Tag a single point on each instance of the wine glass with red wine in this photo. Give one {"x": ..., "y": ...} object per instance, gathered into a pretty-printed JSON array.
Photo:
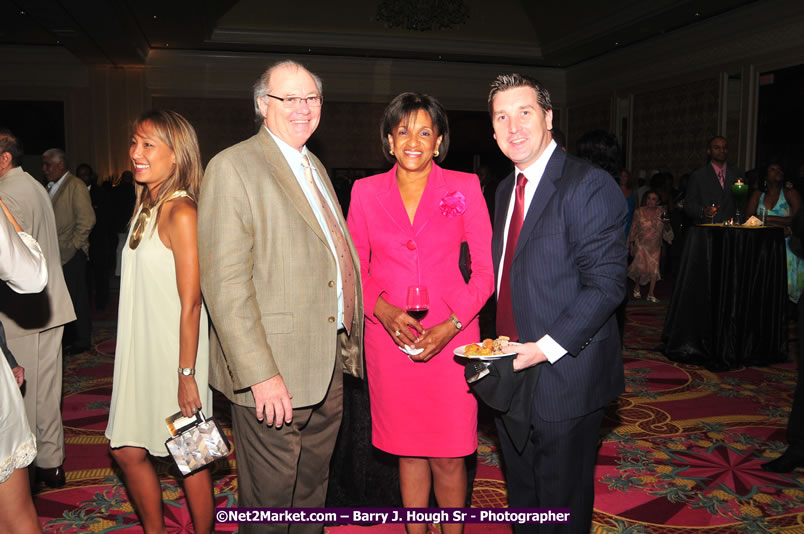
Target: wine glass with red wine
[
  {"x": 418, "y": 302},
  {"x": 711, "y": 211}
]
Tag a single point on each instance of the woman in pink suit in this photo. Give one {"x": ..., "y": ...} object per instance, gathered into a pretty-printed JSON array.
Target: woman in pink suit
[{"x": 407, "y": 225}]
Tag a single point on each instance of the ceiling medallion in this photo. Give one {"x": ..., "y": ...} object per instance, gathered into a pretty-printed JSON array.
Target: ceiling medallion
[{"x": 422, "y": 15}]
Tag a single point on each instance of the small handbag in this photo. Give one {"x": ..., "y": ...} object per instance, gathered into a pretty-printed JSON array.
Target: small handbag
[{"x": 195, "y": 442}]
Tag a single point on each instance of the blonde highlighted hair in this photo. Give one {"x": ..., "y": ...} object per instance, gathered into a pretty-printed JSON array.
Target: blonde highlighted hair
[{"x": 178, "y": 134}]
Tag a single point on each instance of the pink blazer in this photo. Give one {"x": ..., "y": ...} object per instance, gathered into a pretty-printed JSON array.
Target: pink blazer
[{"x": 395, "y": 254}]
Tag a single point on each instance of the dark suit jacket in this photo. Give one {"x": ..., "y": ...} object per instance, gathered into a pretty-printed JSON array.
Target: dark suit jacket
[
  {"x": 567, "y": 279},
  {"x": 100, "y": 238},
  {"x": 704, "y": 188}
]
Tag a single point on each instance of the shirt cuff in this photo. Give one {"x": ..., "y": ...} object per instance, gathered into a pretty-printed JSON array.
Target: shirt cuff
[{"x": 552, "y": 350}]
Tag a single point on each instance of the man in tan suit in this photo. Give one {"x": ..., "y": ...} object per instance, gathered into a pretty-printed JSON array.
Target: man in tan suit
[
  {"x": 281, "y": 280},
  {"x": 34, "y": 323},
  {"x": 75, "y": 219}
]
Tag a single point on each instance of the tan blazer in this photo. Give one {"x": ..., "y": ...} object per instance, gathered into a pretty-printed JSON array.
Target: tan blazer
[
  {"x": 23, "y": 315},
  {"x": 75, "y": 217},
  {"x": 268, "y": 277}
]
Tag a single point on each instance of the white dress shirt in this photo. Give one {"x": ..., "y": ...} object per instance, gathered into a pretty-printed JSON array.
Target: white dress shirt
[
  {"x": 51, "y": 190},
  {"x": 294, "y": 159},
  {"x": 534, "y": 174}
]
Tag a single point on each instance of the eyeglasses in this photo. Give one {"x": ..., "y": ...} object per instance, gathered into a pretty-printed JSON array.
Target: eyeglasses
[{"x": 295, "y": 101}]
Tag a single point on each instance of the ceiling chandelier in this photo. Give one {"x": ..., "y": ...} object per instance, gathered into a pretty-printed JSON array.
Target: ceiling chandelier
[{"x": 422, "y": 15}]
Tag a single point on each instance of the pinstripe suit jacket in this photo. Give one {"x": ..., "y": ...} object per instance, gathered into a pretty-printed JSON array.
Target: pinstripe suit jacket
[
  {"x": 567, "y": 279},
  {"x": 268, "y": 277}
]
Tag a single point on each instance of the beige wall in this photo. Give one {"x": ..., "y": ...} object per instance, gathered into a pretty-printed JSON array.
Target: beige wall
[
  {"x": 758, "y": 37},
  {"x": 347, "y": 137},
  {"x": 99, "y": 102},
  {"x": 587, "y": 117},
  {"x": 671, "y": 127}
]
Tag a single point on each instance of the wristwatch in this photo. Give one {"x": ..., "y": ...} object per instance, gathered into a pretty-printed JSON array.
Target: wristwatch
[
  {"x": 187, "y": 371},
  {"x": 456, "y": 322}
]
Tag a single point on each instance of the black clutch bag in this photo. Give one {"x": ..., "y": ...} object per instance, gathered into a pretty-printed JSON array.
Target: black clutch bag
[
  {"x": 465, "y": 262},
  {"x": 197, "y": 443}
]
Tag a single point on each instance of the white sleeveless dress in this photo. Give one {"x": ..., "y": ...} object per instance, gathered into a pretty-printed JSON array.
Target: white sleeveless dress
[
  {"x": 17, "y": 442},
  {"x": 146, "y": 380}
]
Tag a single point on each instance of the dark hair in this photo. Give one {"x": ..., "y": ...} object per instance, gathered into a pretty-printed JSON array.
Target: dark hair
[
  {"x": 632, "y": 179},
  {"x": 763, "y": 178},
  {"x": 648, "y": 193},
  {"x": 84, "y": 166},
  {"x": 658, "y": 180},
  {"x": 772, "y": 161},
  {"x": 504, "y": 82},
  {"x": 11, "y": 143},
  {"x": 406, "y": 105},
  {"x": 709, "y": 144},
  {"x": 601, "y": 148}
]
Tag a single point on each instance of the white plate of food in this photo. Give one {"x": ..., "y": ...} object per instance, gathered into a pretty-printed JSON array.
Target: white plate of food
[{"x": 487, "y": 350}]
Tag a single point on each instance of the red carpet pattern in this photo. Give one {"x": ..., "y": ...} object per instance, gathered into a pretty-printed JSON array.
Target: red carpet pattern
[
  {"x": 94, "y": 499},
  {"x": 681, "y": 451}
]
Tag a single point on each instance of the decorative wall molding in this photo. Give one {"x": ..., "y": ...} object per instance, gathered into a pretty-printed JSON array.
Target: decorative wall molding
[
  {"x": 416, "y": 43},
  {"x": 100, "y": 102},
  {"x": 671, "y": 127},
  {"x": 766, "y": 34},
  {"x": 41, "y": 66},
  {"x": 461, "y": 86}
]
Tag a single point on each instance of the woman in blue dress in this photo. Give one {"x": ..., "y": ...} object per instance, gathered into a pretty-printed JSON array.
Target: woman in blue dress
[{"x": 781, "y": 204}]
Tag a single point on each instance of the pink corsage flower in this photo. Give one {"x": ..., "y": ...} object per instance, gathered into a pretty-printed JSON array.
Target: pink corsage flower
[{"x": 453, "y": 204}]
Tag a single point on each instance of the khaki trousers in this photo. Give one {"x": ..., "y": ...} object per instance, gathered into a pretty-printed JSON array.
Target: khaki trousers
[
  {"x": 40, "y": 355},
  {"x": 287, "y": 467}
]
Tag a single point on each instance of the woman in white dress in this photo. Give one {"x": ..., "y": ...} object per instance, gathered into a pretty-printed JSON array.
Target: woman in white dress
[
  {"x": 22, "y": 266},
  {"x": 162, "y": 323}
]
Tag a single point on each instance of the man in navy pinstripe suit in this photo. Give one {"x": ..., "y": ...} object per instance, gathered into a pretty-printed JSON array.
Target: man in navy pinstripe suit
[{"x": 560, "y": 260}]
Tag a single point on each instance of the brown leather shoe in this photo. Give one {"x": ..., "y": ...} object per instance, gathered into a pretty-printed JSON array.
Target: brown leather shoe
[{"x": 53, "y": 477}]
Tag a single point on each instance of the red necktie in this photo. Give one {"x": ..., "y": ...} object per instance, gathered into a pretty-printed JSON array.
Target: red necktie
[
  {"x": 505, "y": 310},
  {"x": 721, "y": 176}
]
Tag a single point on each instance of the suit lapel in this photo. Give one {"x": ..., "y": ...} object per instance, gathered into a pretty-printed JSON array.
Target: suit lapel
[
  {"x": 544, "y": 192},
  {"x": 284, "y": 176},
  {"x": 501, "y": 200},
  {"x": 60, "y": 190},
  {"x": 430, "y": 203},
  {"x": 731, "y": 175},
  {"x": 719, "y": 192},
  {"x": 390, "y": 200}
]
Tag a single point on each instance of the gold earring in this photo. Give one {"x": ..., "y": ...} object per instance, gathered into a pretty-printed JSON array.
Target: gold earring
[
  {"x": 435, "y": 154},
  {"x": 391, "y": 151}
]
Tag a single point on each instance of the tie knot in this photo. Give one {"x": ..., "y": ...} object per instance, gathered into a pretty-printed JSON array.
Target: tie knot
[
  {"x": 521, "y": 180},
  {"x": 308, "y": 169}
]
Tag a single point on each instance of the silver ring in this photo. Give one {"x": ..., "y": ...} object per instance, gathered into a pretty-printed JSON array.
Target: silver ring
[
  {"x": 195, "y": 410},
  {"x": 397, "y": 333}
]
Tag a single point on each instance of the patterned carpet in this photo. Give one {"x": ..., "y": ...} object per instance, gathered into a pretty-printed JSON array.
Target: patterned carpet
[{"x": 680, "y": 453}]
